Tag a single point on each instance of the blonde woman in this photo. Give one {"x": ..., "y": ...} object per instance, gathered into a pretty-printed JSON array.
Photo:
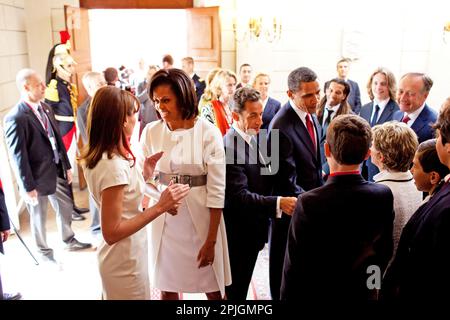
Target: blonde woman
[
  {"x": 218, "y": 112},
  {"x": 208, "y": 95},
  {"x": 393, "y": 147}
]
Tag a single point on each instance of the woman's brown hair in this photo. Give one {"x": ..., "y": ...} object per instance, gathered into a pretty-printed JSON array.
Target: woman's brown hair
[{"x": 107, "y": 114}]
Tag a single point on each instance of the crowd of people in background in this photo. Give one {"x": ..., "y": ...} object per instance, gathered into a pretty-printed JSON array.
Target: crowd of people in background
[{"x": 343, "y": 192}]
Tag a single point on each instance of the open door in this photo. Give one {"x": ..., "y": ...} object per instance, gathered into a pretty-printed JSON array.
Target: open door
[
  {"x": 204, "y": 38},
  {"x": 77, "y": 23}
]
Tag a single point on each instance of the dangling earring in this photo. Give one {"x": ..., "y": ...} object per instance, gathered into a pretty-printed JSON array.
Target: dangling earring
[{"x": 125, "y": 125}]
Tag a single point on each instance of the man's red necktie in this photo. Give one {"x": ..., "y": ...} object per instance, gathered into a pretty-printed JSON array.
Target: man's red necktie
[
  {"x": 405, "y": 119},
  {"x": 310, "y": 127}
]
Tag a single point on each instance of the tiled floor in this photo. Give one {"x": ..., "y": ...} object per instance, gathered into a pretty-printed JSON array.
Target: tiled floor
[{"x": 76, "y": 275}]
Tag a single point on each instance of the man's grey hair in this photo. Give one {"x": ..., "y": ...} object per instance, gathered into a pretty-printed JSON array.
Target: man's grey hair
[
  {"x": 241, "y": 96},
  {"x": 23, "y": 76},
  {"x": 92, "y": 77},
  {"x": 427, "y": 81},
  {"x": 299, "y": 75}
]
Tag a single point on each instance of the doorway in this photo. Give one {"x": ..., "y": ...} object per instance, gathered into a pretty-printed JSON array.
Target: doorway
[{"x": 125, "y": 37}]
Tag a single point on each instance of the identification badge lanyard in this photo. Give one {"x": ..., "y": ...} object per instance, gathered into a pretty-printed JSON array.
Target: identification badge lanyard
[{"x": 45, "y": 125}]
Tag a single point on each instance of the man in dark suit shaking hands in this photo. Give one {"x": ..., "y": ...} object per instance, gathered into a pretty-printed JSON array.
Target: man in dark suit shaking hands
[
  {"x": 412, "y": 93},
  {"x": 341, "y": 233},
  {"x": 40, "y": 162},
  {"x": 300, "y": 167},
  {"x": 249, "y": 202}
]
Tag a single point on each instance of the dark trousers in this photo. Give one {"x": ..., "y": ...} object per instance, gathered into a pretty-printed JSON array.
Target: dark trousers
[
  {"x": 1, "y": 287},
  {"x": 277, "y": 248},
  {"x": 243, "y": 255}
]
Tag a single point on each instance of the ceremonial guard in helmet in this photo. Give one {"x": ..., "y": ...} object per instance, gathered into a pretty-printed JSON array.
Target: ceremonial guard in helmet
[{"x": 61, "y": 95}]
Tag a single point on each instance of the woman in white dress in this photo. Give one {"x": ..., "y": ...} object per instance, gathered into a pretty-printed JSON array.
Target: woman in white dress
[
  {"x": 117, "y": 186},
  {"x": 393, "y": 148},
  {"x": 188, "y": 252}
]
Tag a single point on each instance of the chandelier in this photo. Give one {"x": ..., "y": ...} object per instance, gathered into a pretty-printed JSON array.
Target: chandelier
[
  {"x": 256, "y": 29},
  {"x": 446, "y": 33}
]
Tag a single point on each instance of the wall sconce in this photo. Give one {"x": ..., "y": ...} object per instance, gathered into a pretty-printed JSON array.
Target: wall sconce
[
  {"x": 257, "y": 28},
  {"x": 446, "y": 33}
]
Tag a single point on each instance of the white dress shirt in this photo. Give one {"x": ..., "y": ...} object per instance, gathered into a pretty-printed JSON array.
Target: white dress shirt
[
  {"x": 413, "y": 115},
  {"x": 382, "y": 105}
]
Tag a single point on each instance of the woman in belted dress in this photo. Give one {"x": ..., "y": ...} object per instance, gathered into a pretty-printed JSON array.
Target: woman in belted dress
[{"x": 189, "y": 251}]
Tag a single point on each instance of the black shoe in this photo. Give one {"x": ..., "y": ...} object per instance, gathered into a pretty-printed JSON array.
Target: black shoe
[
  {"x": 80, "y": 210},
  {"x": 12, "y": 296},
  {"x": 75, "y": 245},
  {"x": 77, "y": 217}
]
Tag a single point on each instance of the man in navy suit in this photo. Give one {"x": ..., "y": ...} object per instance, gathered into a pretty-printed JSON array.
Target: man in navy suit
[
  {"x": 40, "y": 162},
  {"x": 300, "y": 167},
  {"x": 412, "y": 93},
  {"x": 270, "y": 105},
  {"x": 354, "y": 97},
  {"x": 341, "y": 233},
  {"x": 380, "y": 110},
  {"x": 187, "y": 64},
  {"x": 249, "y": 202},
  {"x": 420, "y": 270}
]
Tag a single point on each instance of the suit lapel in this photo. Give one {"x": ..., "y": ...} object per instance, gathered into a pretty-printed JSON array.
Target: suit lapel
[
  {"x": 435, "y": 200},
  {"x": 47, "y": 111},
  {"x": 302, "y": 132},
  {"x": 420, "y": 121},
  {"x": 367, "y": 112},
  {"x": 387, "y": 112},
  {"x": 318, "y": 131},
  {"x": 33, "y": 118}
]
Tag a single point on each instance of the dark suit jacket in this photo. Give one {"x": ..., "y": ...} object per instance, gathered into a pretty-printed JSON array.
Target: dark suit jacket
[
  {"x": 354, "y": 97},
  {"x": 422, "y": 125},
  {"x": 272, "y": 107},
  {"x": 300, "y": 166},
  {"x": 4, "y": 218},
  {"x": 299, "y": 170},
  {"x": 200, "y": 86},
  {"x": 337, "y": 231},
  {"x": 387, "y": 115},
  {"x": 30, "y": 149},
  {"x": 248, "y": 200},
  {"x": 421, "y": 268}
]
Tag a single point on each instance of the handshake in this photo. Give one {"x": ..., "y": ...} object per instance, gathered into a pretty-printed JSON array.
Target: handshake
[{"x": 287, "y": 205}]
